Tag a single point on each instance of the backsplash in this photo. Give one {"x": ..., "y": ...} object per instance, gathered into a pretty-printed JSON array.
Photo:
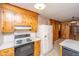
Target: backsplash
[{"x": 8, "y": 38}]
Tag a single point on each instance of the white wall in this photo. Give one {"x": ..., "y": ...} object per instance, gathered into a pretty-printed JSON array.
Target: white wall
[{"x": 43, "y": 20}]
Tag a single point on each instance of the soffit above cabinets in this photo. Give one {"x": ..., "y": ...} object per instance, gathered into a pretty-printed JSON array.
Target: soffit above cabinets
[{"x": 58, "y": 11}]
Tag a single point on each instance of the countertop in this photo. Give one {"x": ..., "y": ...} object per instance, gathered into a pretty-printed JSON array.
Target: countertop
[
  {"x": 8, "y": 41},
  {"x": 9, "y": 45},
  {"x": 72, "y": 44}
]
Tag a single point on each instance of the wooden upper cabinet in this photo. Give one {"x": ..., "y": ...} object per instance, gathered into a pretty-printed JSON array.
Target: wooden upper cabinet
[
  {"x": 20, "y": 17},
  {"x": 7, "y": 21},
  {"x": 18, "y": 20},
  {"x": 65, "y": 30},
  {"x": 26, "y": 20}
]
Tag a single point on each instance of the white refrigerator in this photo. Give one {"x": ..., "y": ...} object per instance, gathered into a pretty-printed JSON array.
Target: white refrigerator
[{"x": 45, "y": 33}]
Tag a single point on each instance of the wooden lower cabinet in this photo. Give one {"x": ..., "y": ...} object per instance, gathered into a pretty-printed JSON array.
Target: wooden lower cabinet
[
  {"x": 7, "y": 52},
  {"x": 37, "y": 48},
  {"x": 10, "y": 51}
]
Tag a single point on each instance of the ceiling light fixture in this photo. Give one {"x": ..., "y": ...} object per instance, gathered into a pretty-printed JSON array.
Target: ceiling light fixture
[{"x": 40, "y": 6}]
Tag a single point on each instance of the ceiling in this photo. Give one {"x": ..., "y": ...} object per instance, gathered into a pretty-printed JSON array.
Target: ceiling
[{"x": 58, "y": 11}]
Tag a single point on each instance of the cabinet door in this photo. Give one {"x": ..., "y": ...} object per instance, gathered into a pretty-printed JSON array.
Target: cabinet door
[
  {"x": 7, "y": 52},
  {"x": 56, "y": 33},
  {"x": 65, "y": 30},
  {"x": 37, "y": 48},
  {"x": 30, "y": 20},
  {"x": 57, "y": 29},
  {"x": 27, "y": 20},
  {"x": 8, "y": 21},
  {"x": 22, "y": 20},
  {"x": 18, "y": 20}
]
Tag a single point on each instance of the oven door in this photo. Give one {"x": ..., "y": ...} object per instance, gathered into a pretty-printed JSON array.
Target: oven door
[{"x": 25, "y": 50}]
